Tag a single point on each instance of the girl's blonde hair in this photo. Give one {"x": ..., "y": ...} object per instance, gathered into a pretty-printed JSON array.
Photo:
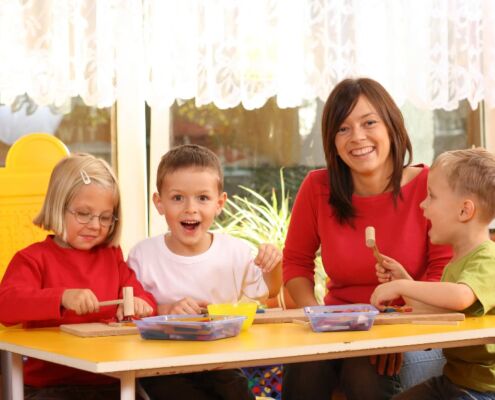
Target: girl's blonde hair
[{"x": 66, "y": 179}]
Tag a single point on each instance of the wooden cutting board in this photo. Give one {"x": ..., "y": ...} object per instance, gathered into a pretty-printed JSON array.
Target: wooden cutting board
[
  {"x": 99, "y": 329},
  {"x": 280, "y": 316}
]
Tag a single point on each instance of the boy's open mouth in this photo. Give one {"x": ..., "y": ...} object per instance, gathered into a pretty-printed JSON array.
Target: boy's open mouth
[{"x": 190, "y": 225}]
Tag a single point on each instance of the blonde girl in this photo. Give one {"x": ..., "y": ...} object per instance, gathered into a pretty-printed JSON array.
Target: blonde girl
[{"x": 62, "y": 279}]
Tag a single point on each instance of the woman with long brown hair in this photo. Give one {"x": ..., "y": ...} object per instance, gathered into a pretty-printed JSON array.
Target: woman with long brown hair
[{"x": 369, "y": 181}]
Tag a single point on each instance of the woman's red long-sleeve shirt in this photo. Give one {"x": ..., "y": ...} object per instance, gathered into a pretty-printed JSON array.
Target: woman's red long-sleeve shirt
[{"x": 401, "y": 233}]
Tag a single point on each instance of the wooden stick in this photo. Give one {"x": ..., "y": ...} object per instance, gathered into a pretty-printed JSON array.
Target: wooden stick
[
  {"x": 110, "y": 302},
  {"x": 300, "y": 322},
  {"x": 371, "y": 243},
  {"x": 437, "y": 322}
]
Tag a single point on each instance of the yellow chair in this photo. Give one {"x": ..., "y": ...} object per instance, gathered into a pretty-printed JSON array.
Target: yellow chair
[{"x": 23, "y": 184}]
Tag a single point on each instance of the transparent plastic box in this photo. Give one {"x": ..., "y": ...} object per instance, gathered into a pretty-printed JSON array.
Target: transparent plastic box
[
  {"x": 189, "y": 327},
  {"x": 349, "y": 317}
]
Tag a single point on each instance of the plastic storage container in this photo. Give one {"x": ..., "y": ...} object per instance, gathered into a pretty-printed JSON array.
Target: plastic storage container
[
  {"x": 349, "y": 317},
  {"x": 189, "y": 327}
]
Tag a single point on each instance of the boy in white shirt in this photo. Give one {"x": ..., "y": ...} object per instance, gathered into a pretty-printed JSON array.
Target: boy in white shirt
[{"x": 190, "y": 267}]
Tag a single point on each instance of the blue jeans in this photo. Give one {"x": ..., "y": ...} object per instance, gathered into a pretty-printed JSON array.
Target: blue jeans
[
  {"x": 418, "y": 366},
  {"x": 356, "y": 377},
  {"x": 441, "y": 388}
]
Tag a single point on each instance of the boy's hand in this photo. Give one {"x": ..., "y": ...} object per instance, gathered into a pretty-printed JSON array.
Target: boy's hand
[
  {"x": 269, "y": 256},
  {"x": 390, "y": 270},
  {"x": 385, "y": 293},
  {"x": 186, "y": 306},
  {"x": 141, "y": 309},
  {"x": 82, "y": 301}
]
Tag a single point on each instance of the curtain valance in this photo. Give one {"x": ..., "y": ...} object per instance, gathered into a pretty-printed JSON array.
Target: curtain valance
[{"x": 433, "y": 53}]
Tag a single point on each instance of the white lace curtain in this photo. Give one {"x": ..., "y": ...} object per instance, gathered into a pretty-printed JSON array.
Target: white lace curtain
[{"x": 433, "y": 53}]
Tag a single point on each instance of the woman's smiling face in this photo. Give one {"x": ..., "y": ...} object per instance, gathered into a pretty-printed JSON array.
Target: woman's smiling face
[{"x": 362, "y": 141}]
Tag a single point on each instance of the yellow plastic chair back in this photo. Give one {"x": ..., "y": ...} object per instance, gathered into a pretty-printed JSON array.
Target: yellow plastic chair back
[{"x": 23, "y": 185}]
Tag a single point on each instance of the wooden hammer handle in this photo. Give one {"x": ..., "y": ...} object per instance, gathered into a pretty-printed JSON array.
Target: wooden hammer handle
[
  {"x": 127, "y": 301},
  {"x": 377, "y": 254},
  {"x": 110, "y": 302}
]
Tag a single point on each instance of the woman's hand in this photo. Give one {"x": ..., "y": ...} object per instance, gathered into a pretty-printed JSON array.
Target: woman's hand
[
  {"x": 269, "y": 256},
  {"x": 186, "y": 305},
  {"x": 389, "y": 364},
  {"x": 82, "y": 301},
  {"x": 390, "y": 270}
]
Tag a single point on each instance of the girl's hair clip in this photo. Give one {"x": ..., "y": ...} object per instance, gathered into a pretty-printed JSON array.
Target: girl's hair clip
[{"x": 85, "y": 177}]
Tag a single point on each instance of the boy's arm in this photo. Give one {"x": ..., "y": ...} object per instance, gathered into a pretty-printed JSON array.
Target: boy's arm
[
  {"x": 186, "y": 305},
  {"x": 390, "y": 270},
  {"x": 164, "y": 309},
  {"x": 444, "y": 295},
  {"x": 269, "y": 260},
  {"x": 273, "y": 280},
  {"x": 423, "y": 308}
]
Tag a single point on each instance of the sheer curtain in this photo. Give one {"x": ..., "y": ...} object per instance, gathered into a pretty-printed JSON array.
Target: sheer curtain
[
  {"x": 431, "y": 52},
  {"x": 53, "y": 50}
]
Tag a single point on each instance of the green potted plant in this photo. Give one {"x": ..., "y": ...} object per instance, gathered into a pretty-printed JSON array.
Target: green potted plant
[{"x": 259, "y": 220}]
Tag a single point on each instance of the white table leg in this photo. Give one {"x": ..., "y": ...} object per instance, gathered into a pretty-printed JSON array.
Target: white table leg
[
  {"x": 15, "y": 371},
  {"x": 128, "y": 385},
  {"x": 6, "y": 362}
]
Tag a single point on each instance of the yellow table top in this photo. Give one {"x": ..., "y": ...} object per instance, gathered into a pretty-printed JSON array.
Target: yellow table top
[{"x": 261, "y": 344}]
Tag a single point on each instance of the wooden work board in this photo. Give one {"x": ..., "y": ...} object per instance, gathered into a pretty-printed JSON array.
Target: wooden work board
[
  {"x": 269, "y": 317},
  {"x": 280, "y": 316},
  {"x": 100, "y": 329}
]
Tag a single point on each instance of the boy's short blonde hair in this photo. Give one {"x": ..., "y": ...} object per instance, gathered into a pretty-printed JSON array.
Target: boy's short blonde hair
[
  {"x": 186, "y": 156},
  {"x": 471, "y": 171},
  {"x": 65, "y": 181}
]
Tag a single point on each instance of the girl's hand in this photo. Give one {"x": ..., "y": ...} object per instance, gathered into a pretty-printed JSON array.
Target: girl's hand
[
  {"x": 186, "y": 306},
  {"x": 269, "y": 256},
  {"x": 390, "y": 270},
  {"x": 385, "y": 293},
  {"x": 82, "y": 301},
  {"x": 141, "y": 309}
]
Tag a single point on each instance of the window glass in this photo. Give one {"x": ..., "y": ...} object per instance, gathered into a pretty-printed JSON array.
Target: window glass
[
  {"x": 81, "y": 128},
  {"x": 435, "y": 131},
  {"x": 254, "y": 144}
]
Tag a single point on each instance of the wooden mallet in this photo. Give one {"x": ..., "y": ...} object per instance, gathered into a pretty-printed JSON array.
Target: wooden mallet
[
  {"x": 127, "y": 300},
  {"x": 371, "y": 243}
]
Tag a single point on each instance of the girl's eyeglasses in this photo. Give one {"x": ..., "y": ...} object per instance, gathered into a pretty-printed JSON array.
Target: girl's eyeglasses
[{"x": 84, "y": 217}]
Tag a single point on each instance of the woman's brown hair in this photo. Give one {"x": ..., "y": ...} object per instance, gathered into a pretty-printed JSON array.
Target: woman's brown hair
[{"x": 338, "y": 106}]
